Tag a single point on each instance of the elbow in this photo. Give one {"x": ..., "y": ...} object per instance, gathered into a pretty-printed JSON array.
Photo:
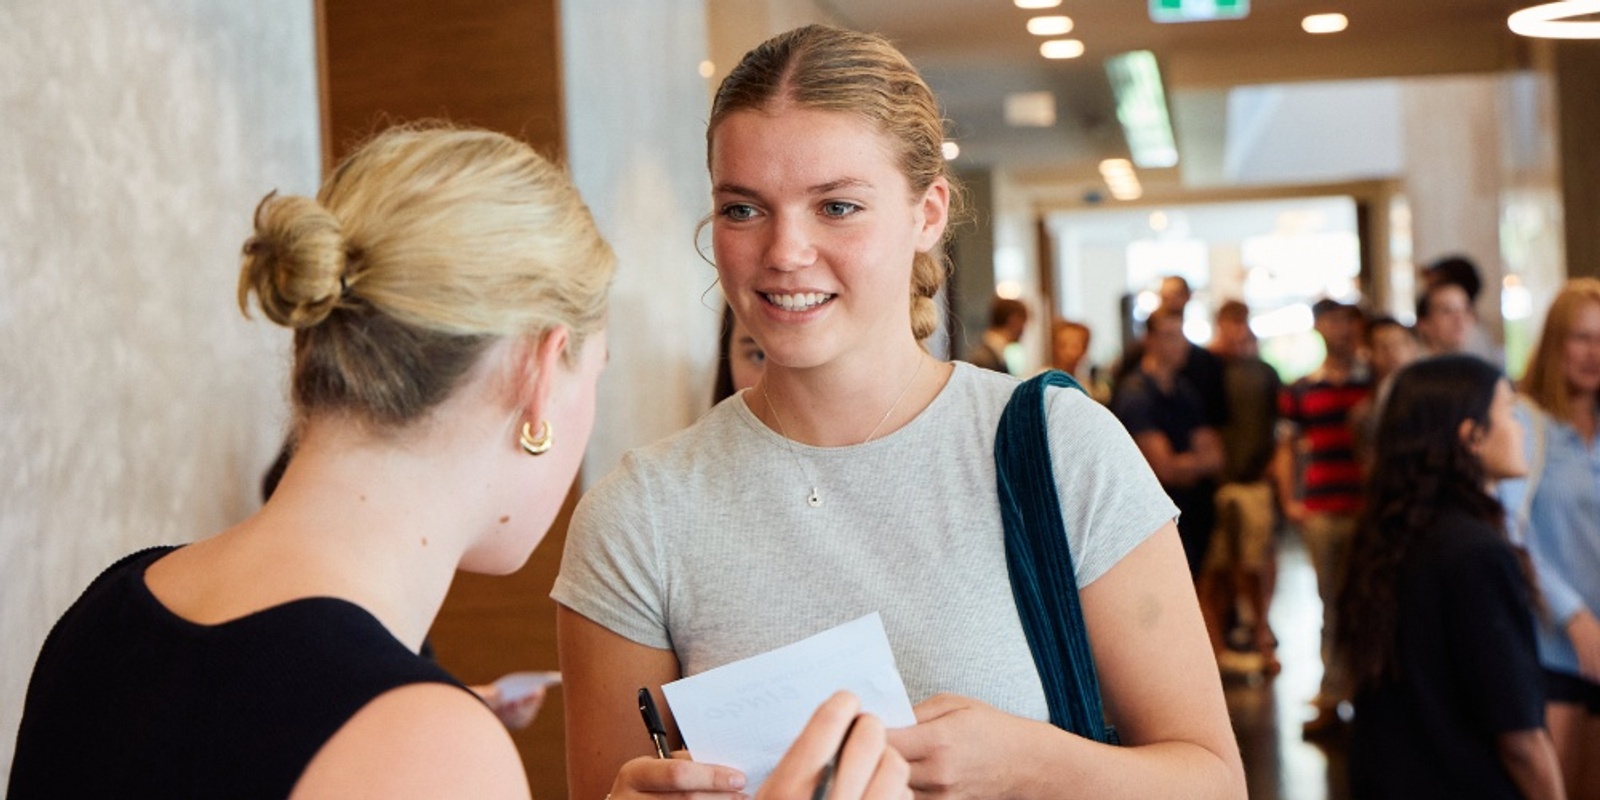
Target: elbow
[{"x": 1525, "y": 751}]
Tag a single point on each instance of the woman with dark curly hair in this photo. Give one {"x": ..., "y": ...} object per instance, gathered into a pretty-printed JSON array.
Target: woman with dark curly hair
[{"x": 1434, "y": 614}]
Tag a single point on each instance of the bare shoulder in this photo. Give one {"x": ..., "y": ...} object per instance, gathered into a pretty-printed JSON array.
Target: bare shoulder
[{"x": 420, "y": 740}]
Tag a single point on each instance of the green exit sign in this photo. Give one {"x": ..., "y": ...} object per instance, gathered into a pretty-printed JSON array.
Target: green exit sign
[{"x": 1198, "y": 10}]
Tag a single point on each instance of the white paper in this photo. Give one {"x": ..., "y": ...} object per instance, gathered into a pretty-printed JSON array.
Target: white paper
[{"x": 746, "y": 714}]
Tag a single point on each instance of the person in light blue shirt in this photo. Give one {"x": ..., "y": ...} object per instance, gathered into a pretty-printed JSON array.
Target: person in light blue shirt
[{"x": 1557, "y": 509}]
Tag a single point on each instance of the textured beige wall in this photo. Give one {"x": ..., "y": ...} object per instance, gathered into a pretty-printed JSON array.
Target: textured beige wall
[
  {"x": 636, "y": 108},
  {"x": 136, "y": 405}
]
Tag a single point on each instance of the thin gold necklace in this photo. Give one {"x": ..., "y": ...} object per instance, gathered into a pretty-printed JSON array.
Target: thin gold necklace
[{"x": 815, "y": 498}]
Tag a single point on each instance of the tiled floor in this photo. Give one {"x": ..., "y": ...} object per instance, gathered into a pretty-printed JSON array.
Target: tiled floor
[{"x": 1267, "y": 714}]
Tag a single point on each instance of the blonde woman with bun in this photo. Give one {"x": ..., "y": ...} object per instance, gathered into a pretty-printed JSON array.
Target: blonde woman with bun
[
  {"x": 447, "y": 293},
  {"x": 858, "y": 475}
]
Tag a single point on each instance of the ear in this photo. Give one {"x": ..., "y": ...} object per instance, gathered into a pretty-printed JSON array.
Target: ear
[
  {"x": 538, "y": 373},
  {"x": 1471, "y": 435},
  {"x": 933, "y": 214}
]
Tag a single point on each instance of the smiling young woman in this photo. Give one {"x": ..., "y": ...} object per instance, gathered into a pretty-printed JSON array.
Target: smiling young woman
[{"x": 858, "y": 476}]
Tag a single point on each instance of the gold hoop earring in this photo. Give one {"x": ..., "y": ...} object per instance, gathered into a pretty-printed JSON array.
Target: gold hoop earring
[{"x": 536, "y": 445}]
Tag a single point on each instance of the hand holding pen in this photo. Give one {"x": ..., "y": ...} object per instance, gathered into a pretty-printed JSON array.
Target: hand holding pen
[{"x": 839, "y": 755}]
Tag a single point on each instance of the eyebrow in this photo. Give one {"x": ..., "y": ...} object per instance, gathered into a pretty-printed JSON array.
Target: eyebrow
[{"x": 821, "y": 188}]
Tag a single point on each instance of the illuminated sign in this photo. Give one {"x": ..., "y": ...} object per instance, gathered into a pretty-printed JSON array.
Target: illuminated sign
[{"x": 1198, "y": 10}]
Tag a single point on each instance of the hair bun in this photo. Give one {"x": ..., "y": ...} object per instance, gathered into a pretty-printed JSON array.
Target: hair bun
[{"x": 296, "y": 261}]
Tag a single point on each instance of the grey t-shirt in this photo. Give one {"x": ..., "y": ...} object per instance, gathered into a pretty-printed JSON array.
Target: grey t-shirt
[{"x": 704, "y": 543}]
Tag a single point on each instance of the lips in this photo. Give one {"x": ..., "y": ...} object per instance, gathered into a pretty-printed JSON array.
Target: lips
[{"x": 798, "y": 301}]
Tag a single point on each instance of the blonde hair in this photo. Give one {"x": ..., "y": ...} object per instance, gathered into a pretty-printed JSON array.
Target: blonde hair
[
  {"x": 830, "y": 69},
  {"x": 1546, "y": 379},
  {"x": 422, "y": 249}
]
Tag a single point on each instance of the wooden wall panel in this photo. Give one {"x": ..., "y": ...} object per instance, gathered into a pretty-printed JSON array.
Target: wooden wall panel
[
  {"x": 1577, "y": 86},
  {"x": 493, "y": 64}
]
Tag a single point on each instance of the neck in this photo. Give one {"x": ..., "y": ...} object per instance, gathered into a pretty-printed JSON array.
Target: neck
[
  {"x": 1585, "y": 417},
  {"x": 383, "y": 529},
  {"x": 381, "y": 526},
  {"x": 835, "y": 407}
]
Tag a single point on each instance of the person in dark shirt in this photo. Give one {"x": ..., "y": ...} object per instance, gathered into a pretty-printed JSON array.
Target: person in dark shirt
[
  {"x": 1434, "y": 617},
  {"x": 1167, "y": 420},
  {"x": 1202, "y": 369}
]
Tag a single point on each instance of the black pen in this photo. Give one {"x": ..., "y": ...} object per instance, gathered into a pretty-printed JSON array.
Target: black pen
[{"x": 652, "y": 723}]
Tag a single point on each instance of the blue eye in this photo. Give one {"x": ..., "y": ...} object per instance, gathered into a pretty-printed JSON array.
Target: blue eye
[
  {"x": 738, "y": 212},
  {"x": 839, "y": 208}
]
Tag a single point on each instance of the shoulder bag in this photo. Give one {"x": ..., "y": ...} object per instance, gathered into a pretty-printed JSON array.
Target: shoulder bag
[{"x": 1043, "y": 580}]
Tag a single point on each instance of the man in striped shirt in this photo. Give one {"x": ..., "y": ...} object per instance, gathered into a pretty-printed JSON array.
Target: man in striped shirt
[{"x": 1324, "y": 504}]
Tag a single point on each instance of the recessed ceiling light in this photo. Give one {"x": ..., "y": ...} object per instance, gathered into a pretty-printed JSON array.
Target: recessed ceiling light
[
  {"x": 1031, "y": 109},
  {"x": 1061, "y": 48},
  {"x": 707, "y": 69},
  {"x": 951, "y": 150},
  {"x": 1555, "y": 20},
  {"x": 1050, "y": 26},
  {"x": 1036, "y": 4},
  {"x": 1324, "y": 23}
]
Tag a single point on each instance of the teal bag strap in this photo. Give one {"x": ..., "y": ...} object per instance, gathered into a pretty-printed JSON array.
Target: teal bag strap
[{"x": 1043, "y": 580}]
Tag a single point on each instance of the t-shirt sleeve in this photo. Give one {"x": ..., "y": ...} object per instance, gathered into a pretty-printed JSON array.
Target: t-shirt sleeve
[
  {"x": 1110, "y": 500},
  {"x": 611, "y": 566},
  {"x": 1491, "y": 639}
]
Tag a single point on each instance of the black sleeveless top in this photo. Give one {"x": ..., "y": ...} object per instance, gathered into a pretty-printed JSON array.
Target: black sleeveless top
[{"x": 129, "y": 700}]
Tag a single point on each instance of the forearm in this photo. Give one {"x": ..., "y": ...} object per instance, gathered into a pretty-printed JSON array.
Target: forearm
[
  {"x": 1530, "y": 758},
  {"x": 602, "y": 673},
  {"x": 1056, "y": 764}
]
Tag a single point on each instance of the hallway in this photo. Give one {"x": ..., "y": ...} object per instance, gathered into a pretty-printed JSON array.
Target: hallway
[{"x": 1267, "y": 714}]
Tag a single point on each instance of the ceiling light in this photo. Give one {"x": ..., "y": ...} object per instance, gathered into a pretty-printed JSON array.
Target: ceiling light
[
  {"x": 1031, "y": 109},
  {"x": 1324, "y": 23},
  {"x": 1120, "y": 179},
  {"x": 1555, "y": 20},
  {"x": 1050, "y": 26},
  {"x": 1142, "y": 108},
  {"x": 1061, "y": 48},
  {"x": 707, "y": 69},
  {"x": 1037, "y": 4},
  {"x": 951, "y": 150}
]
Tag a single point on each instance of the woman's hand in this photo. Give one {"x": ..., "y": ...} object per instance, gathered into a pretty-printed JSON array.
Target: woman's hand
[
  {"x": 515, "y": 713},
  {"x": 867, "y": 768},
  {"x": 959, "y": 747},
  {"x": 647, "y": 776}
]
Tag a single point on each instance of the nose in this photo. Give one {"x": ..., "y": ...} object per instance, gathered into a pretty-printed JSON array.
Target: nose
[{"x": 790, "y": 247}]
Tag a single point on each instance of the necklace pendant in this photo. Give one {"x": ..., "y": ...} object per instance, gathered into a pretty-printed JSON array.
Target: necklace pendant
[{"x": 815, "y": 499}]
